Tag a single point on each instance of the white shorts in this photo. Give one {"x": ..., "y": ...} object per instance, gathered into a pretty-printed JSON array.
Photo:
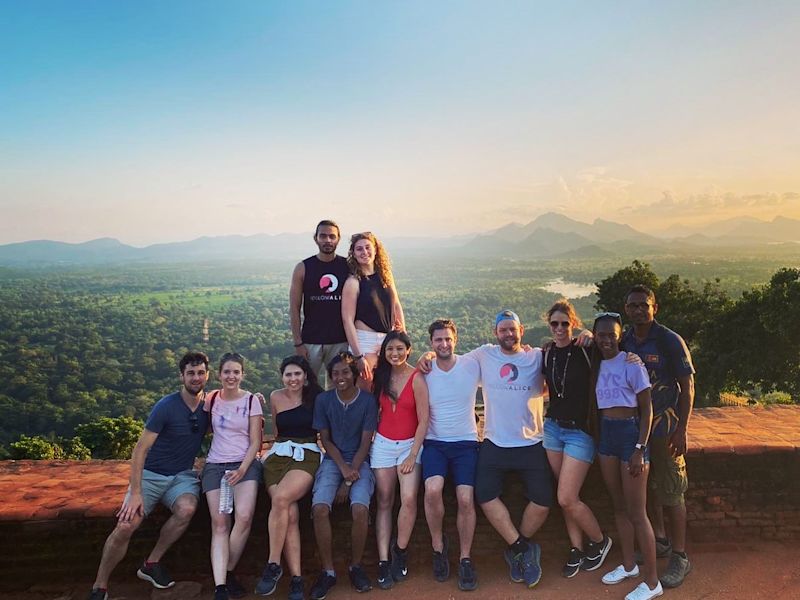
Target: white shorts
[
  {"x": 385, "y": 453},
  {"x": 369, "y": 342}
]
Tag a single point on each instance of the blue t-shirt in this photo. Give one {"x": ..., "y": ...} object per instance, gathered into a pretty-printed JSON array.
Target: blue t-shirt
[
  {"x": 178, "y": 441},
  {"x": 666, "y": 357},
  {"x": 345, "y": 424}
]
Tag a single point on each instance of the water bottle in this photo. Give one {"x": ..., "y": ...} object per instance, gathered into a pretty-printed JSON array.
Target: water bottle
[{"x": 225, "y": 495}]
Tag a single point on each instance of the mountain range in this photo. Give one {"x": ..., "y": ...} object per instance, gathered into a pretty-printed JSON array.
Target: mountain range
[{"x": 550, "y": 235}]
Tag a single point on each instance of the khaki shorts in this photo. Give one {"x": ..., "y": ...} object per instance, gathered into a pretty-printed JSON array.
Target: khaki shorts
[
  {"x": 668, "y": 478},
  {"x": 276, "y": 467},
  {"x": 319, "y": 355}
]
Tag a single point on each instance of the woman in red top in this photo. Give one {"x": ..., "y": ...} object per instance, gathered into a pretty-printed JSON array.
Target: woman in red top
[{"x": 396, "y": 451}]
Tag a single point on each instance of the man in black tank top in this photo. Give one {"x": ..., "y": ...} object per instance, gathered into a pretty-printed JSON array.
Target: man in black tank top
[{"x": 317, "y": 288}]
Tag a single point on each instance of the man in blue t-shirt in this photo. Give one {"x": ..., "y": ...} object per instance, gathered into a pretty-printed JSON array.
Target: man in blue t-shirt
[
  {"x": 161, "y": 471},
  {"x": 346, "y": 418},
  {"x": 669, "y": 365}
]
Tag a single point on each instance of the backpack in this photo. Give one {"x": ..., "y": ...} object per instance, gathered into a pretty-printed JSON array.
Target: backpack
[{"x": 212, "y": 398}]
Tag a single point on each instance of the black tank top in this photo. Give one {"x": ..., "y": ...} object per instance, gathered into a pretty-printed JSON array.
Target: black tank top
[
  {"x": 322, "y": 300},
  {"x": 374, "y": 304},
  {"x": 295, "y": 423},
  {"x": 569, "y": 391}
]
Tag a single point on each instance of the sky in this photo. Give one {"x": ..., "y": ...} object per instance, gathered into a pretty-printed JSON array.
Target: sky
[{"x": 165, "y": 121}]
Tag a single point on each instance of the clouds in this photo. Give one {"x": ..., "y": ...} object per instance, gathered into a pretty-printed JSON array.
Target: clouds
[{"x": 711, "y": 203}]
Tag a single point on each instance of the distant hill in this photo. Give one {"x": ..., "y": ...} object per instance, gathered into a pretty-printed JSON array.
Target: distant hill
[{"x": 549, "y": 235}]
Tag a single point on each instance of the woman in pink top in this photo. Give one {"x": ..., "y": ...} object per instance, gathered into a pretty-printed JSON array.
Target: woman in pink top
[
  {"x": 236, "y": 425},
  {"x": 395, "y": 452}
]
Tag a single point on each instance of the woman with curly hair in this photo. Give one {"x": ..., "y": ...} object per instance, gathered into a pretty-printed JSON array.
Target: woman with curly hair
[{"x": 370, "y": 305}]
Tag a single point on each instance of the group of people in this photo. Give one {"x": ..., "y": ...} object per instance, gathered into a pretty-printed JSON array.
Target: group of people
[{"x": 383, "y": 424}]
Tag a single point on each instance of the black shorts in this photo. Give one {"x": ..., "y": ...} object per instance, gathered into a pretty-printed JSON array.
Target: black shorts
[{"x": 529, "y": 461}]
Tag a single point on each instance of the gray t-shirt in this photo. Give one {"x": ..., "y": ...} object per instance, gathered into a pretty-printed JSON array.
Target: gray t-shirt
[{"x": 346, "y": 423}]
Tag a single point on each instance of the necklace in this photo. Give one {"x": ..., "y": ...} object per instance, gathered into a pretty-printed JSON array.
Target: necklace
[{"x": 563, "y": 390}]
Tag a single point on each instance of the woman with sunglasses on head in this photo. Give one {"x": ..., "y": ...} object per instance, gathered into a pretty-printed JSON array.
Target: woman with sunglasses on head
[
  {"x": 569, "y": 446},
  {"x": 370, "y": 305},
  {"x": 236, "y": 422},
  {"x": 289, "y": 470},
  {"x": 621, "y": 391},
  {"x": 396, "y": 451}
]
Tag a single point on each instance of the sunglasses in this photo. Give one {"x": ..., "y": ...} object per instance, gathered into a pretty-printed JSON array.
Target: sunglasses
[
  {"x": 612, "y": 315},
  {"x": 564, "y": 324},
  {"x": 193, "y": 421}
]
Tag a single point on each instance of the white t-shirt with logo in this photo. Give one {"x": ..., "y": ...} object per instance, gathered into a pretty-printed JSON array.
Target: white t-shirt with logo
[
  {"x": 451, "y": 395},
  {"x": 512, "y": 395}
]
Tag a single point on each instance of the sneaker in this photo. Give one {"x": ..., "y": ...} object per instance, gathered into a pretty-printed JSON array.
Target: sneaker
[
  {"x": 98, "y": 594},
  {"x": 399, "y": 562},
  {"x": 296, "y": 588},
  {"x": 467, "y": 577},
  {"x": 514, "y": 565},
  {"x": 677, "y": 569},
  {"x": 619, "y": 575},
  {"x": 235, "y": 587},
  {"x": 643, "y": 592},
  {"x": 157, "y": 575},
  {"x": 573, "y": 564},
  {"x": 359, "y": 579},
  {"x": 596, "y": 553},
  {"x": 322, "y": 586},
  {"x": 663, "y": 548},
  {"x": 531, "y": 566},
  {"x": 269, "y": 579},
  {"x": 385, "y": 580},
  {"x": 441, "y": 565},
  {"x": 221, "y": 593}
]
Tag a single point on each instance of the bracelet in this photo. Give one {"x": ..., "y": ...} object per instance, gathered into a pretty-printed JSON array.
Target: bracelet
[
  {"x": 298, "y": 345},
  {"x": 358, "y": 356}
]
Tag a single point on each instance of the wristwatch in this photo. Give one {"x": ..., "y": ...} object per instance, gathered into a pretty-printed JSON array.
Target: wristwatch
[{"x": 639, "y": 446}]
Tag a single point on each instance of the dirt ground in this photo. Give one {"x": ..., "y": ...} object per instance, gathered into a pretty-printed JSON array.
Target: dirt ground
[{"x": 769, "y": 571}]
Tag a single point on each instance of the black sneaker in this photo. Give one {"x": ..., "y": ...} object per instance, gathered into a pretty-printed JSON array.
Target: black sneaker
[
  {"x": 385, "y": 581},
  {"x": 467, "y": 577},
  {"x": 596, "y": 553},
  {"x": 296, "y": 588},
  {"x": 399, "y": 562},
  {"x": 98, "y": 594},
  {"x": 157, "y": 575},
  {"x": 221, "y": 593},
  {"x": 322, "y": 586},
  {"x": 359, "y": 579},
  {"x": 573, "y": 564},
  {"x": 235, "y": 587},
  {"x": 441, "y": 564},
  {"x": 269, "y": 579}
]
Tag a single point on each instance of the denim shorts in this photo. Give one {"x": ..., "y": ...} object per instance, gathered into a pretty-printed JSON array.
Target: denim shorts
[
  {"x": 387, "y": 453},
  {"x": 329, "y": 478},
  {"x": 166, "y": 488},
  {"x": 618, "y": 437},
  {"x": 458, "y": 458},
  {"x": 212, "y": 475},
  {"x": 573, "y": 442}
]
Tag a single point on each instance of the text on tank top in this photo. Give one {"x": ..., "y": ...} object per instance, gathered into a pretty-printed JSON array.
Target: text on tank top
[
  {"x": 398, "y": 420},
  {"x": 374, "y": 304},
  {"x": 322, "y": 300}
]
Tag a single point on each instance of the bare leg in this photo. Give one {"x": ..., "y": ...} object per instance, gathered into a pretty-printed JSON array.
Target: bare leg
[
  {"x": 635, "y": 492},
  {"x": 322, "y": 531},
  {"x": 465, "y": 518},
  {"x": 677, "y": 526},
  {"x": 291, "y": 547},
  {"x": 497, "y": 514},
  {"x": 182, "y": 512},
  {"x": 533, "y": 518},
  {"x": 114, "y": 550},
  {"x": 244, "y": 503},
  {"x": 385, "y": 484},
  {"x": 359, "y": 533},
  {"x": 576, "y": 513},
  {"x": 294, "y": 485},
  {"x": 220, "y": 543},
  {"x": 434, "y": 510},
  {"x": 574, "y": 532},
  {"x": 407, "y": 515},
  {"x": 656, "y": 516},
  {"x": 610, "y": 467}
]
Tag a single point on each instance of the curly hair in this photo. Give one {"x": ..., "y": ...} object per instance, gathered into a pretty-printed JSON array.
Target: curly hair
[
  {"x": 565, "y": 306},
  {"x": 383, "y": 266}
]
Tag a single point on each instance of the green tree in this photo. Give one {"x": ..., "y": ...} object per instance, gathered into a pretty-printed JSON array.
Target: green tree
[
  {"x": 611, "y": 290},
  {"x": 109, "y": 437},
  {"x": 34, "y": 448},
  {"x": 74, "y": 449}
]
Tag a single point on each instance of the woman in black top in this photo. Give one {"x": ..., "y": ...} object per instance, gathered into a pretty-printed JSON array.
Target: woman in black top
[
  {"x": 570, "y": 449},
  {"x": 370, "y": 306},
  {"x": 289, "y": 469}
]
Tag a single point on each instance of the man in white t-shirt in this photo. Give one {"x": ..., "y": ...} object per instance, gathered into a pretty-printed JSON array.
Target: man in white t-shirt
[
  {"x": 513, "y": 384},
  {"x": 451, "y": 446}
]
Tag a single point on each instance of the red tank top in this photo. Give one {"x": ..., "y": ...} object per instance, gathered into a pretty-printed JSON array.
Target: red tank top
[{"x": 399, "y": 420}]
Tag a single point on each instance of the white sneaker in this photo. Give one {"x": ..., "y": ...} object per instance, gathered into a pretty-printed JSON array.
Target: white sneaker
[
  {"x": 643, "y": 592},
  {"x": 619, "y": 575}
]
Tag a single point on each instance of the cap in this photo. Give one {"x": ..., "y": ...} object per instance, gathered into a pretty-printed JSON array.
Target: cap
[{"x": 506, "y": 315}]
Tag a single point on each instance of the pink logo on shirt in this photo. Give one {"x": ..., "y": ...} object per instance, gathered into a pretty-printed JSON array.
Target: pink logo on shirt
[
  {"x": 509, "y": 372},
  {"x": 329, "y": 283}
]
